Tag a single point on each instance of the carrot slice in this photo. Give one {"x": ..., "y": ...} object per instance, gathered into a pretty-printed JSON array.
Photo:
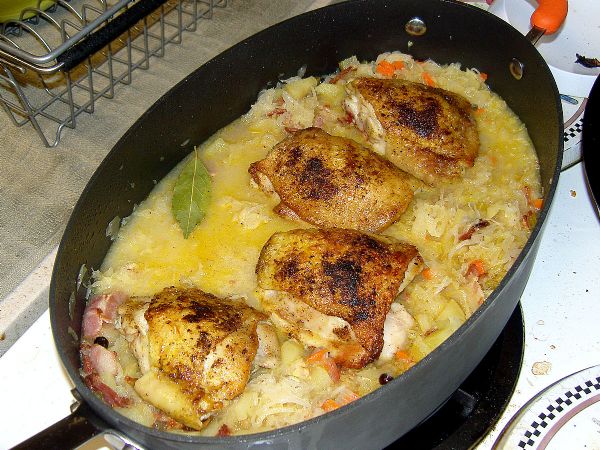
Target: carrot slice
[
  {"x": 402, "y": 355},
  {"x": 348, "y": 397},
  {"x": 398, "y": 65},
  {"x": 385, "y": 68},
  {"x": 321, "y": 357},
  {"x": 537, "y": 203},
  {"x": 477, "y": 268},
  {"x": 427, "y": 273},
  {"x": 428, "y": 80},
  {"x": 329, "y": 405},
  {"x": 332, "y": 369},
  {"x": 483, "y": 75},
  {"x": 317, "y": 355}
]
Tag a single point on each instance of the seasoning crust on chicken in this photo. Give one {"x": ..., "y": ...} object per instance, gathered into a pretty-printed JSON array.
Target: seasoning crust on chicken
[
  {"x": 195, "y": 350},
  {"x": 333, "y": 288},
  {"x": 331, "y": 181},
  {"x": 428, "y": 132}
]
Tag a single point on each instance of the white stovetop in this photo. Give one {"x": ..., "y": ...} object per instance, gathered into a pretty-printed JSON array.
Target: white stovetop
[{"x": 559, "y": 306}]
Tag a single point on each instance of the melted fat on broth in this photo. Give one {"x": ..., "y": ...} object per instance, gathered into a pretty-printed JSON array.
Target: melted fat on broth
[{"x": 150, "y": 252}]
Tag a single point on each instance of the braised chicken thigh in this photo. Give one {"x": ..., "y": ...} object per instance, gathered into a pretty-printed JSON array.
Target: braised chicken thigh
[
  {"x": 331, "y": 181},
  {"x": 333, "y": 288},
  {"x": 195, "y": 350},
  {"x": 426, "y": 131}
]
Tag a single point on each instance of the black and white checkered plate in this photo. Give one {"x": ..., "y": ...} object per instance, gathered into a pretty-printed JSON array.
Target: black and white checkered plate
[
  {"x": 573, "y": 109},
  {"x": 565, "y": 415}
]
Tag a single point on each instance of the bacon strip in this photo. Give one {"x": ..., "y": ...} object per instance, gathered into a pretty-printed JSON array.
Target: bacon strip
[
  {"x": 103, "y": 360},
  {"x": 92, "y": 322},
  {"x": 342, "y": 74},
  {"x": 348, "y": 118},
  {"x": 276, "y": 112},
  {"x": 224, "y": 430},
  {"x": 97, "y": 359},
  {"x": 100, "y": 309},
  {"x": 94, "y": 382},
  {"x": 469, "y": 233}
]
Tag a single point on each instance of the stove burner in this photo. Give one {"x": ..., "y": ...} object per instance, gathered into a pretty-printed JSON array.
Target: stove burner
[{"x": 478, "y": 403}]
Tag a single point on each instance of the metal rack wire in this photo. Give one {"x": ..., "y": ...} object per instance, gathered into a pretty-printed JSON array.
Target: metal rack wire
[{"x": 54, "y": 66}]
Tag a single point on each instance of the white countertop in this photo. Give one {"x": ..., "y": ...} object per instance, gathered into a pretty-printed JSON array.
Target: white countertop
[{"x": 559, "y": 306}]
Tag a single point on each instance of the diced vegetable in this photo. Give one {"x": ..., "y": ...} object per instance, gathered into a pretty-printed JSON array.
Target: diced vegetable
[
  {"x": 437, "y": 337},
  {"x": 330, "y": 94},
  {"x": 214, "y": 148},
  {"x": 332, "y": 369},
  {"x": 301, "y": 88},
  {"x": 348, "y": 397},
  {"x": 349, "y": 62},
  {"x": 398, "y": 65},
  {"x": 264, "y": 126},
  {"x": 329, "y": 405},
  {"x": 244, "y": 404},
  {"x": 419, "y": 349},
  {"x": 476, "y": 268},
  {"x": 452, "y": 314},
  {"x": 368, "y": 379},
  {"x": 425, "y": 322},
  {"x": 319, "y": 377},
  {"x": 427, "y": 273},
  {"x": 385, "y": 68},
  {"x": 429, "y": 81},
  {"x": 321, "y": 357},
  {"x": 402, "y": 355},
  {"x": 317, "y": 355},
  {"x": 290, "y": 352}
]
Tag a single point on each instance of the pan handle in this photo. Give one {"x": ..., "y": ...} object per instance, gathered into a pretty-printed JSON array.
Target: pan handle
[
  {"x": 549, "y": 15},
  {"x": 83, "y": 429},
  {"x": 103, "y": 36}
]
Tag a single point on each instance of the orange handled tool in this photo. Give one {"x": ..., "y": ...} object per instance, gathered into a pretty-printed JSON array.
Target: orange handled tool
[{"x": 547, "y": 18}]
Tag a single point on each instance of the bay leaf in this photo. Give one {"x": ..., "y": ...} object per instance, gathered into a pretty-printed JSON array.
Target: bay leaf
[{"x": 191, "y": 195}]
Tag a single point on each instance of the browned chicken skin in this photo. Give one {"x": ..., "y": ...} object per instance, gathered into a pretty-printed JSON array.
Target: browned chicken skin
[
  {"x": 426, "y": 131},
  {"x": 198, "y": 350},
  {"x": 331, "y": 181},
  {"x": 333, "y": 288}
]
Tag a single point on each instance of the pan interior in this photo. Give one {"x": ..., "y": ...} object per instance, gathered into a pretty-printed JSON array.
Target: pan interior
[{"x": 214, "y": 95}]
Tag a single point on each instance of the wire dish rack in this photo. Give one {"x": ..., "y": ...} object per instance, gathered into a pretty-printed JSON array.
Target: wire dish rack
[{"x": 61, "y": 56}]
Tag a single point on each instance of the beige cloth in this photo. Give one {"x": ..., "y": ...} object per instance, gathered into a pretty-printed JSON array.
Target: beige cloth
[{"x": 39, "y": 186}]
